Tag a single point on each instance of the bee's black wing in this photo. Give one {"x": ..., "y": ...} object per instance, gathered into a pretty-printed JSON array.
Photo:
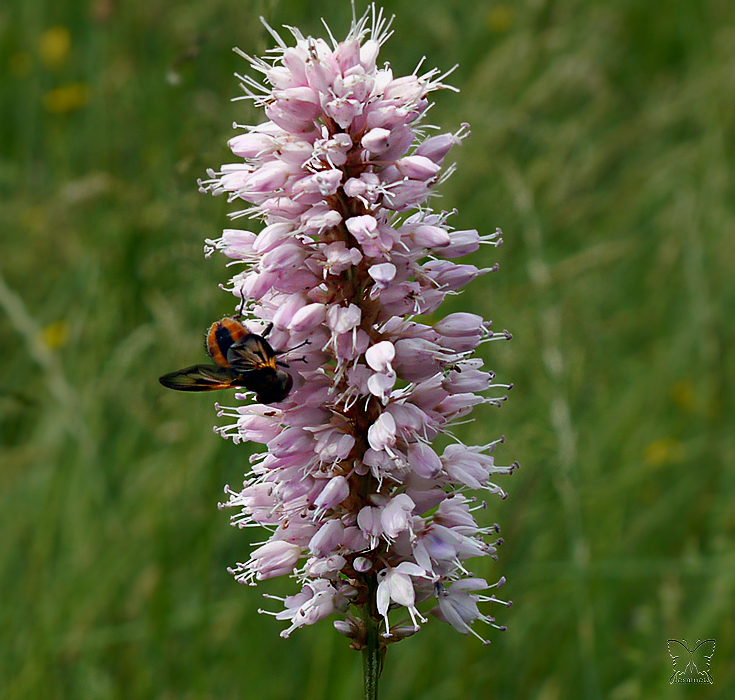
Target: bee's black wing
[
  {"x": 251, "y": 353},
  {"x": 200, "y": 378}
]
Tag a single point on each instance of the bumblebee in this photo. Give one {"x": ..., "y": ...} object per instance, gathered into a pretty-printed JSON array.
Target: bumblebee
[{"x": 241, "y": 359}]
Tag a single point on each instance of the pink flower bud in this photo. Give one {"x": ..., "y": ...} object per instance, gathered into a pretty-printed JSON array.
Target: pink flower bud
[
  {"x": 406, "y": 89},
  {"x": 339, "y": 257},
  {"x": 343, "y": 110},
  {"x": 272, "y": 236},
  {"x": 326, "y": 539},
  {"x": 290, "y": 441},
  {"x": 380, "y": 385},
  {"x": 286, "y": 256},
  {"x": 362, "y": 227},
  {"x": 251, "y": 145},
  {"x": 347, "y": 55},
  {"x": 423, "y": 460},
  {"x": 468, "y": 380},
  {"x": 436, "y": 147},
  {"x": 417, "y": 167},
  {"x": 325, "y": 182},
  {"x": 275, "y": 558},
  {"x": 341, "y": 319},
  {"x": 267, "y": 178},
  {"x": 376, "y": 141},
  {"x": 333, "y": 445},
  {"x": 405, "y": 194},
  {"x": 383, "y": 274},
  {"x": 334, "y": 492},
  {"x": 324, "y": 566},
  {"x": 369, "y": 53},
  {"x": 319, "y": 219},
  {"x": 286, "y": 311},
  {"x": 450, "y": 275},
  {"x": 235, "y": 178},
  {"x": 257, "y": 428},
  {"x": 307, "y": 318},
  {"x": 368, "y": 520},
  {"x": 236, "y": 244},
  {"x": 460, "y": 324},
  {"x": 320, "y": 75},
  {"x": 380, "y": 355},
  {"x": 430, "y": 236},
  {"x": 354, "y": 539},
  {"x": 301, "y": 102},
  {"x": 364, "y": 187},
  {"x": 382, "y": 433},
  {"x": 462, "y": 243},
  {"x": 294, "y": 62},
  {"x": 396, "y": 516}
]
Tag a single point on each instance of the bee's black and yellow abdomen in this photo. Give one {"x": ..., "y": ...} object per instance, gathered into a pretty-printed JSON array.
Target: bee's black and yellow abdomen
[{"x": 221, "y": 336}]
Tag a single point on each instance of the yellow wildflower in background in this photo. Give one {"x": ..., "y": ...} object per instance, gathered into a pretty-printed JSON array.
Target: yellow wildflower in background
[
  {"x": 500, "y": 18},
  {"x": 56, "y": 334},
  {"x": 66, "y": 98},
  {"x": 54, "y": 47},
  {"x": 661, "y": 451}
]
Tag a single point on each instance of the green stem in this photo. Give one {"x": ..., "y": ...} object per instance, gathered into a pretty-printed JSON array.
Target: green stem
[
  {"x": 371, "y": 659},
  {"x": 372, "y": 654}
]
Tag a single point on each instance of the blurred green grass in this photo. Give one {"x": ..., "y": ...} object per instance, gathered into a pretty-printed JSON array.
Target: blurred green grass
[{"x": 602, "y": 144}]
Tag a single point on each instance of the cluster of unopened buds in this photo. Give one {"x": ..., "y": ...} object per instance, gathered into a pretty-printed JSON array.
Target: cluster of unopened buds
[{"x": 361, "y": 509}]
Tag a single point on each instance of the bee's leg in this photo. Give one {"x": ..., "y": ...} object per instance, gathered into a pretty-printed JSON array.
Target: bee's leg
[
  {"x": 286, "y": 365},
  {"x": 267, "y": 330},
  {"x": 242, "y": 307},
  {"x": 295, "y": 347}
]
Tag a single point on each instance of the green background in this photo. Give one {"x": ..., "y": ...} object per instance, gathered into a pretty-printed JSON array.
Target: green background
[{"x": 602, "y": 144}]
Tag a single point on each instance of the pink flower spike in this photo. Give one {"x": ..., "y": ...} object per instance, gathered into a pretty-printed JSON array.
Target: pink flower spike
[{"x": 345, "y": 369}]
